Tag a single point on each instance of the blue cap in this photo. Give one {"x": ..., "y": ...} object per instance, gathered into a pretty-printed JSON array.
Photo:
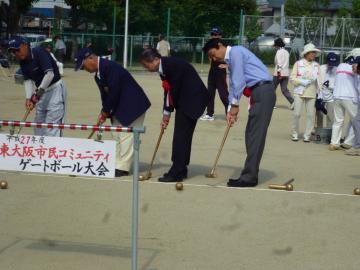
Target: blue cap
[
  {"x": 81, "y": 54},
  {"x": 332, "y": 59},
  {"x": 15, "y": 43},
  {"x": 215, "y": 31},
  {"x": 357, "y": 60}
]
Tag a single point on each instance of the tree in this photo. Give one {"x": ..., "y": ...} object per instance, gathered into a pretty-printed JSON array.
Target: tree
[{"x": 10, "y": 14}]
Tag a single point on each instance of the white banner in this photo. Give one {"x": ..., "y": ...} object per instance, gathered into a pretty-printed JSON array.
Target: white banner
[{"x": 28, "y": 153}]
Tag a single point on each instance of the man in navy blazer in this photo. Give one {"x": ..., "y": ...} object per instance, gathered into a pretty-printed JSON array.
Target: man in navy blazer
[
  {"x": 185, "y": 92},
  {"x": 123, "y": 101}
]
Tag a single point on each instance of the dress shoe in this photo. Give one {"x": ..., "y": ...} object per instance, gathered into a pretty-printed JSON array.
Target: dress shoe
[
  {"x": 240, "y": 183},
  {"x": 119, "y": 173},
  {"x": 168, "y": 178}
]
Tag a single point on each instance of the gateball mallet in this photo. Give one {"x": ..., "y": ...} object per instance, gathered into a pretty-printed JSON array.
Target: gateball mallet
[
  {"x": 148, "y": 174},
  {"x": 12, "y": 130},
  {"x": 212, "y": 173}
]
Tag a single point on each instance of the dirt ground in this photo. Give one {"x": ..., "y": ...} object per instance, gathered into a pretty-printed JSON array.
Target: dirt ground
[{"x": 57, "y": 222}]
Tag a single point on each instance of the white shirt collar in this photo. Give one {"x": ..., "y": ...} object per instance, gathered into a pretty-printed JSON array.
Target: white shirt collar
[
  {"x": 98, "y": 68},
  {"x": 227, "y": 54},
  {"x": 160, "y": 68}
]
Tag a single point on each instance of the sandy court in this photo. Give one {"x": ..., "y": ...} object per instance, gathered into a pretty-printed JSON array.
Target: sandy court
[{"x": 59, "y": 222}]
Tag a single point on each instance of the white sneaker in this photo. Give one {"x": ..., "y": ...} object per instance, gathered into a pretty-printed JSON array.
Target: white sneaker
[
  {"x": 207, "y": 117},
  {"x": 294, "y": 137}
]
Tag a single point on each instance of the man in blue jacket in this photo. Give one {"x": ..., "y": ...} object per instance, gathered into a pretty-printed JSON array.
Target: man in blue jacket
[
  {"x": 123, "y": 101},
  {"x": 247, "y": 71},
  {"x": 43, "y": 85}
]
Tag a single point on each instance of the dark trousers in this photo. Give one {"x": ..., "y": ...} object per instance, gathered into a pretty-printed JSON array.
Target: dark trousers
[
  {"x": 284, "y": 89},
  {"x": 217, "y": 80},
  {"x": 256, "y": 129},
  {"x": 181, "y": 147}
]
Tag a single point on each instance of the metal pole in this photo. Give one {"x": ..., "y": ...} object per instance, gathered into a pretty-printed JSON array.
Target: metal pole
[
  {"x": 302, "y": 29},
  {"x": 342, "y": 38},
  {"x": 168, "y": 24},
  {"x": 282, "y": 22},
  {"x": 321, "y": 41},
  {"x": 202, "y": 56},
  {"x": 241, "y": 28},
  {"x": 135, "y": 203},
  {"x": 113, "y": 57},
  {"x": 126, "y": 33},
  {"x": 131, "y": 49}
]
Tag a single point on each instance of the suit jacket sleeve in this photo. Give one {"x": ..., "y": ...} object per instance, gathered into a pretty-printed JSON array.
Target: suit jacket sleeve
[{"x": 173, "y": 72}]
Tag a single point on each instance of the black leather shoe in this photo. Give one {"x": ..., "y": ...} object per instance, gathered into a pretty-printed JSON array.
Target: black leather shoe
[
  {"x": 240, "y": 183},
  {"x": 119, "y": 173},
  {"x": 167, "y": 178}
]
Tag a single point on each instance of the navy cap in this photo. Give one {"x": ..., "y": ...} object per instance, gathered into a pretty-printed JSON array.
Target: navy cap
[
  {"x": 215, "y": 31},
  {"x": 356, "y": 60},
  {"x": 332, "y": 59},
  {"x": 80, "y": 56},
  {"x": 15, "y": 43}
]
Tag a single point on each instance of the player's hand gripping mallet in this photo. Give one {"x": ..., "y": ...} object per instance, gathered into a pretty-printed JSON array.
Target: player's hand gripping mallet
[
  {"x": 148, "y": 175},
  {"x": 12, "y": 130},
  {"x": 93, "y": 131},
  {"x": 212, "y": 173}
]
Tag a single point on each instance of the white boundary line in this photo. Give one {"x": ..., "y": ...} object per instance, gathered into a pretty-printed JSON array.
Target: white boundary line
[{"x": 185, "y": 184}]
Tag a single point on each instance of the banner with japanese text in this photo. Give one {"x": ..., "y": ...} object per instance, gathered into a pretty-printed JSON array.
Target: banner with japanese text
[{"x": 71, "y": 156}]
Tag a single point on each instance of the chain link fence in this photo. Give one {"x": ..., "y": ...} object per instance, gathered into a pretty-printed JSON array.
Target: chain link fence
[{"x": 257, "y": 33}]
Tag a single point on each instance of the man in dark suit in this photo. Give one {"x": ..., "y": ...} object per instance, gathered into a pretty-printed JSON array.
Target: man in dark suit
[
  {"x": 185, "y": 92},
  {"x": 123, "y": 101}
]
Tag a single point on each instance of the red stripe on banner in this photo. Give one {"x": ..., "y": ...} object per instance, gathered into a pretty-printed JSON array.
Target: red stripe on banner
[
  {"x": 72, "y": 126},
  {"x": 83, "y": 127},
  {"x": 16, "y": 123},
  {"x": 130, "y": 129},
  {"x": 61, "y": 126},
  {"x": 107, "y": 128},
  {"x": 38, "y": 125},
  {"x": 5, "y": 123},
  {"x": 27, "y": 124},
  {"x": 50, "y": 125},
  {"x": 95, "y": 128},
  {"x": 118, "y": 129}
]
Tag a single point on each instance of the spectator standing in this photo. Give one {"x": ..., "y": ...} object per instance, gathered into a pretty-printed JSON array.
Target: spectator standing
[
  {"x": 163, "y": 46},
  {"x": 60, "y": 49},
  {"x": 305, "y": 76},
  {"x": 281, "y": 71},
  {"x": 216, "y": 80}
]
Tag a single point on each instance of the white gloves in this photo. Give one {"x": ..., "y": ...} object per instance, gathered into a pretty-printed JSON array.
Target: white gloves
[{"x": 305, "y": 82}]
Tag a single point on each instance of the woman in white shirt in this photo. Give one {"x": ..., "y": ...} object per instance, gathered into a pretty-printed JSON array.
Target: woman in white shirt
[
  {"x": 305, "y": 78},
  {"x": 281, "y": 71}
]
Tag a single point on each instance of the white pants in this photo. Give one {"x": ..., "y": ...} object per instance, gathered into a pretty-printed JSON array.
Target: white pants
[
  {"x": 340, "y": 107},
  {"x": 310, "y": 114},
  {"x": 51, "y": 108},
  {"x": 125, "y": 144}
]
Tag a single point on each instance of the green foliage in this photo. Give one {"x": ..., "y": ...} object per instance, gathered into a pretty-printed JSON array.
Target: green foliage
[
  {"x": 356, "y": 8},
  {"x": 305, "y": 7},
  {"x": 10, "y": 13}
]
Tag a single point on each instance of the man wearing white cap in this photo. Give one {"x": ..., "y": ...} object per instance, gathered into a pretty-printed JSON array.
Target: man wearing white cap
[
  {"x": 304, "y": 77},
  {"x": 345, "y": 101}
]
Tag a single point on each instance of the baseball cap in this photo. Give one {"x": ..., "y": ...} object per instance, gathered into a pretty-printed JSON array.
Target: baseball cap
[
  {"x": 215, "y": 31},
  {"x": 332, "y": 59},
  {"x": 81, "y": 54},
  {"x": 15, "y": 43},
  {"x": 357, "y": 60}
]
